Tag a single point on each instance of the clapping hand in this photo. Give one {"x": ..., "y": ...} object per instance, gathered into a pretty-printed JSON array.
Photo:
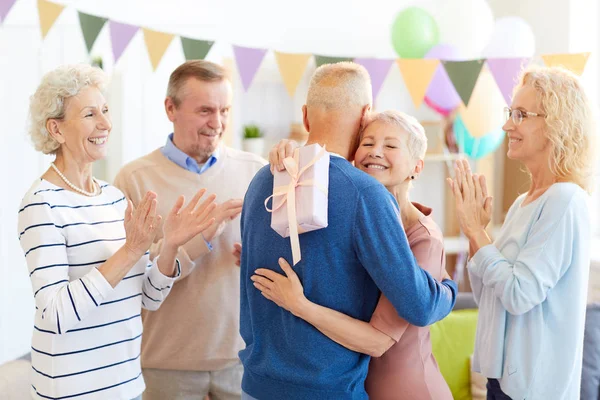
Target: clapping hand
[
  {"x": 184, "y": 223},
  {"x": 473, "y": 205},
  {"x": 141, "y": 225},
  {"x": 222, "y": 214}
]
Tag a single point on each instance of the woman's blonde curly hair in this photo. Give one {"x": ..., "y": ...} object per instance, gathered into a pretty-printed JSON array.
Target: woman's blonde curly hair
[
  {"x": 569, "y": 120},
  {"x": 48, "y": 101}
]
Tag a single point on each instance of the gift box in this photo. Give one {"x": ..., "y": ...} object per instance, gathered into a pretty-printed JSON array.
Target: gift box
[{"x": 300, "y": 195}]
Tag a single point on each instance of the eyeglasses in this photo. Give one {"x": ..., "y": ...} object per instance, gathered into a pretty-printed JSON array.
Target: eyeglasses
[{"x": 518, "y": 115}]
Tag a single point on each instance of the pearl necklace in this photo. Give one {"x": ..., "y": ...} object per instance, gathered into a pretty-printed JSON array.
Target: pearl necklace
[{"x": 75, "y": 188}]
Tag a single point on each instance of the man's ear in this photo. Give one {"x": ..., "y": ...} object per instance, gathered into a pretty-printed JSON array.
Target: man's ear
[
  {"x": 305, "y": 118},
  {"x": 365, "y": 116},
  {"x": 170, "y": 108}
]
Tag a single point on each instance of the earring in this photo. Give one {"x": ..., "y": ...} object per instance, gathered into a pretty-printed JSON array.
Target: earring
[{"x": 412, "y": 177}]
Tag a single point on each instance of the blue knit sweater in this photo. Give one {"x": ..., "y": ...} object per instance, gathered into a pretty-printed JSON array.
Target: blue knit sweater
[{"x": 343, "y": 267}]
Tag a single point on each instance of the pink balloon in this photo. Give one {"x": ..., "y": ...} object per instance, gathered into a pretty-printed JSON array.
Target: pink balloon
[
  {"x": 441, "y": 95},
  {"x": 437, "y": 108}
]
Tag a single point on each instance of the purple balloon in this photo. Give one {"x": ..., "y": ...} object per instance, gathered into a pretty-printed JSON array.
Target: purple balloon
[{"x": 441, "y": 92}]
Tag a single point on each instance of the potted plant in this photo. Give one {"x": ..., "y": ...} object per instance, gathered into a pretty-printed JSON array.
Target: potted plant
[
  {"x": 97, "y": 62},
  {"x": 253, "y": 140}
]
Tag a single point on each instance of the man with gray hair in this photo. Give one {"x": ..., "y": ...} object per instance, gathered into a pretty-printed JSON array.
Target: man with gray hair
[
  {"x": 344, "y": 266},
  {"x": 189, "y": 348}
]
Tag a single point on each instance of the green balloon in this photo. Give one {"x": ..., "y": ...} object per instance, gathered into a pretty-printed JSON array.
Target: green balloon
[{"x": 414, "y": 33}]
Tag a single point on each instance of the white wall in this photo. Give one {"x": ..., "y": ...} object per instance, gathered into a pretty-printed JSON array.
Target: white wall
[
  {"x": 565, "y": 27},
  {"x": 136, "y": 95},
  {"x": 584, "y": 36}
]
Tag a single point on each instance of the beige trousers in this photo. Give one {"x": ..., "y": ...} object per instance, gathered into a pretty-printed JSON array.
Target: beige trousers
[{"x": 225, "y": 384}]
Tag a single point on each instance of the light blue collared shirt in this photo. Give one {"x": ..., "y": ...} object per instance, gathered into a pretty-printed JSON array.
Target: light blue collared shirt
[{"x": 184, "y": 161}]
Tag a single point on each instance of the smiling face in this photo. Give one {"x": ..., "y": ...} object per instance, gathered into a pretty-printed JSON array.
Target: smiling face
[
  {"x": 200, "y": 118},
  {"x": 383, "y": 153},
  {"x": 527, "y": 142},
  {"x": 83, "y": 132}
]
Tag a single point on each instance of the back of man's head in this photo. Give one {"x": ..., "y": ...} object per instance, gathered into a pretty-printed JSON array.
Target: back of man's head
[{"x": 339, "y": 86}]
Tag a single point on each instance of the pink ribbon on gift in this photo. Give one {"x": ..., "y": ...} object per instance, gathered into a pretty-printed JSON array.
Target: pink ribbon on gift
[{"x": 288, "y": 195}]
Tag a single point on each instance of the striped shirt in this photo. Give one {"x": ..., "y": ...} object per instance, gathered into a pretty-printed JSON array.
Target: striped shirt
[{"x": 87, "y": 335}]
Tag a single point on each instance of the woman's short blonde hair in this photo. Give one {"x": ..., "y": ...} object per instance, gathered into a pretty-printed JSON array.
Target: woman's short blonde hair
[
  {"x": 569, "y": 120},
  {"x": 48, "y": 101},
  {"x": 416, "y": 141}
]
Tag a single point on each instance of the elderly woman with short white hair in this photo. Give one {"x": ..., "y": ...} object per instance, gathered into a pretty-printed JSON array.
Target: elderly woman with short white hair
[
  {"x": 86, "y": 249},
  {"x": 531, "y": 283}
]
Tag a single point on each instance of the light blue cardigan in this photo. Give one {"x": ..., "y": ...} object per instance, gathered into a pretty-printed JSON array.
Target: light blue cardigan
[{"x": 531, "y": 287}]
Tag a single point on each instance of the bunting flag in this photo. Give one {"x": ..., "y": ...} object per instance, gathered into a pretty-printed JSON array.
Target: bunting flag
[
  {"x": 120, "y": 36},
  {"x": 48, "y": 13},
  {"x": 506, "y": 72},
  {"x": 291, "y": 68},
  {"x": 5, "y": 6},
  {"x": 464, "y": 75},
  {"x": 320, "y": 60},
  {"x": 90, "y": 27},
  {"x": 573, "y": 62},
  {"x": 417, "y": 74},
  {"x": 248, "y": 60},
  {"x": 485, "y": 114},
  {"x": 195, "y": 49},
  {"x": 156, "y": 43},
  {"x": 378, "y": 69}
]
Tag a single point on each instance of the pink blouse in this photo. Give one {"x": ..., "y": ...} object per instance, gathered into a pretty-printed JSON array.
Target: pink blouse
[{"x": 408, "y": 369}]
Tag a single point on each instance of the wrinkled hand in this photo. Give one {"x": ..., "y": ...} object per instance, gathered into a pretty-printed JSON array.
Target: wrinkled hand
[
  {"x": 141, "y": 225},
  {"x": 473, "y": 205},
  {"x": 237, "y": 253},
  {"x": 285, "y": 148},
  {"x": 285, "y": 291},
  {"x": 223, "y": 214},
  {"x": 182, "y": 225}
]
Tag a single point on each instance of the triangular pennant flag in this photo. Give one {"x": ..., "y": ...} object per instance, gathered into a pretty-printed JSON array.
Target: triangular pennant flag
[
  {"x": 320, "y": 60},
  {"x": 417, "y": 74},
  {"x": 91, "y": 26},
  {"x": 5, "y": 6},
  {"x": 378, "y": 69},
  {"x": 573, "y": 62},
  {"x": 506, "y": 71},
  {"x": 248, "y": 60},
  {"x": 291, "y": 68},
  {"x": 120, "y": 36},
  {"x": 156, "y": 43},
  {"x": 485, "y": 114},
  {"x": 463, "y": 75},
  {"x": 49, "y": 13},
  {"x": 195, "y": 49}
]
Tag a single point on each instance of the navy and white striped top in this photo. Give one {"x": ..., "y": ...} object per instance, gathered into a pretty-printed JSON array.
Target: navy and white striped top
[{"x": 87, "y": 335}]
